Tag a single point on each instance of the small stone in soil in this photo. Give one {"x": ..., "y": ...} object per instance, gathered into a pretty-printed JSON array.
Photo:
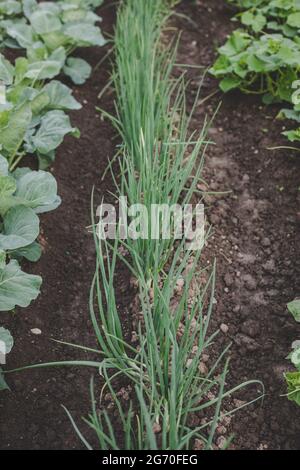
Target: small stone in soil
[{"x": 36, "y": 331}]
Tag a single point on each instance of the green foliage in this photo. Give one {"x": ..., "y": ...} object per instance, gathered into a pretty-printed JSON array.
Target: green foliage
[
  {"x": 293, "y": 382},
  {"x": 294, "y": 309},
  {"x": 33, "y": 120},
  {"x": 23, "y": 194},
  {"x": 7, "y": 339},
  {"x": 264, "y": 57},
  {"x": 42, "y": 28},
  {"x": 17, "y": 287},
  {"x": 293, "y": 378},
  {"x": 172, "y": 331},
  {"x": 77, "y": 69}
]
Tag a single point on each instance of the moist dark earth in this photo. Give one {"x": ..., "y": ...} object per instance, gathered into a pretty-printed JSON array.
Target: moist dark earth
[{"x": 255, "y": 240}]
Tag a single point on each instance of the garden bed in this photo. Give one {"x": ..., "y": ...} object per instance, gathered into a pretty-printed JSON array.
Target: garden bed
[
  {"x": 31, "y": 414},
  {"x": 254, "y": 241}
]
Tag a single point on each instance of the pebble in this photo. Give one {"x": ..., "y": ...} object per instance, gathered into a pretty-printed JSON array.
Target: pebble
[
  {"x": 198, "y": 444},
  {"x": 221, "y": 442},
  {"x": 36, "y": 331},
  {"x": 221, "y": 430},
  {"x": 189, "y": 362},
  {"x": 228, "y": 279},
  {"x": 269, "y": 266},
  {"x": 205, "y": 357}
]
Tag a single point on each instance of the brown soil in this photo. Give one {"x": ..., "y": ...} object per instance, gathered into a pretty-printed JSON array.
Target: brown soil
[
  {"x": 254, "y": 240},
  {"x": 256, "y": 236},
  {"x": 31, "y": 414}
]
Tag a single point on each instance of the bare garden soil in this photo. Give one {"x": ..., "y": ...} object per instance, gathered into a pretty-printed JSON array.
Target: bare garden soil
[{"x": 255, "y": 240}]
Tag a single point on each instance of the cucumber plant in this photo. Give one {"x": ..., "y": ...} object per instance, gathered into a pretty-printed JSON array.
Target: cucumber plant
[{"x": 263, "y": 57}]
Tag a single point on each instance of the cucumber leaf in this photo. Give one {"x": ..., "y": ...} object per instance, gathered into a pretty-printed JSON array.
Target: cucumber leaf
[{"x": 60, "y": 96}]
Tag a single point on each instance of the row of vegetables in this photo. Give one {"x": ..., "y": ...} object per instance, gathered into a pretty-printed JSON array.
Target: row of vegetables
[
  {"x": 262, "y": 56},
  {"x": 33, "y": 123}
]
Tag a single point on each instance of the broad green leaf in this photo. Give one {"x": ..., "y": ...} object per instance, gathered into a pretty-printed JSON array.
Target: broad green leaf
[
  {"x": 44, "y": 69},
  {"x": 2, "y": 259},
  {"x": 229, "y": 83},
  {"x": 52, "y": 7},
  {"x": 7, "y": 71},
  {"x": 54, "y": 126},
  {"x": 40, "y": 102},
  {"x": 12, "y": 135},
  {"x": 255, "y": 64},
  {"x": 3, "y": 166},
  {"x": 22, "y": 33},
  {"x": 10, "y": 7},
  {"x": 7, "y": 339},
  {"x": 29, "y": 6},
  {"x": 74, "y": 15},
  {"x": 290, "y": 114},
  {"x": 37, "y": 52},
  {"x": 49, "y": 68},
  {"x": 293, "y": 382},
  {"x": 295, "y": 358},
  {"x": 296, "y": 94},
  {"x": 20, "y": 228},
  {"x": 59, "y": 55},
  {"x": 61, "y": 96},
  {"x": 21, "y": 67},
  {"x": 294, "y": 20},
  {"x": 31, "y": 252},
  {"x": 45, "y": 159},
  {"x": 256, "y": 20},
  {"x": 294, "y": 309},
  {"x": 7, "y": 186},
  {"x": 293, "y": 135},
  {"x": 16, "y": 287},
  {"x": 55, "y": 40},
  {"x": 44, "y": 22},
  {"x": 93, "y": 3},
  {"x": 85, "y": 34},
  {"x": 78, "y": 70},
  {"x": 39, "y": 190}
]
